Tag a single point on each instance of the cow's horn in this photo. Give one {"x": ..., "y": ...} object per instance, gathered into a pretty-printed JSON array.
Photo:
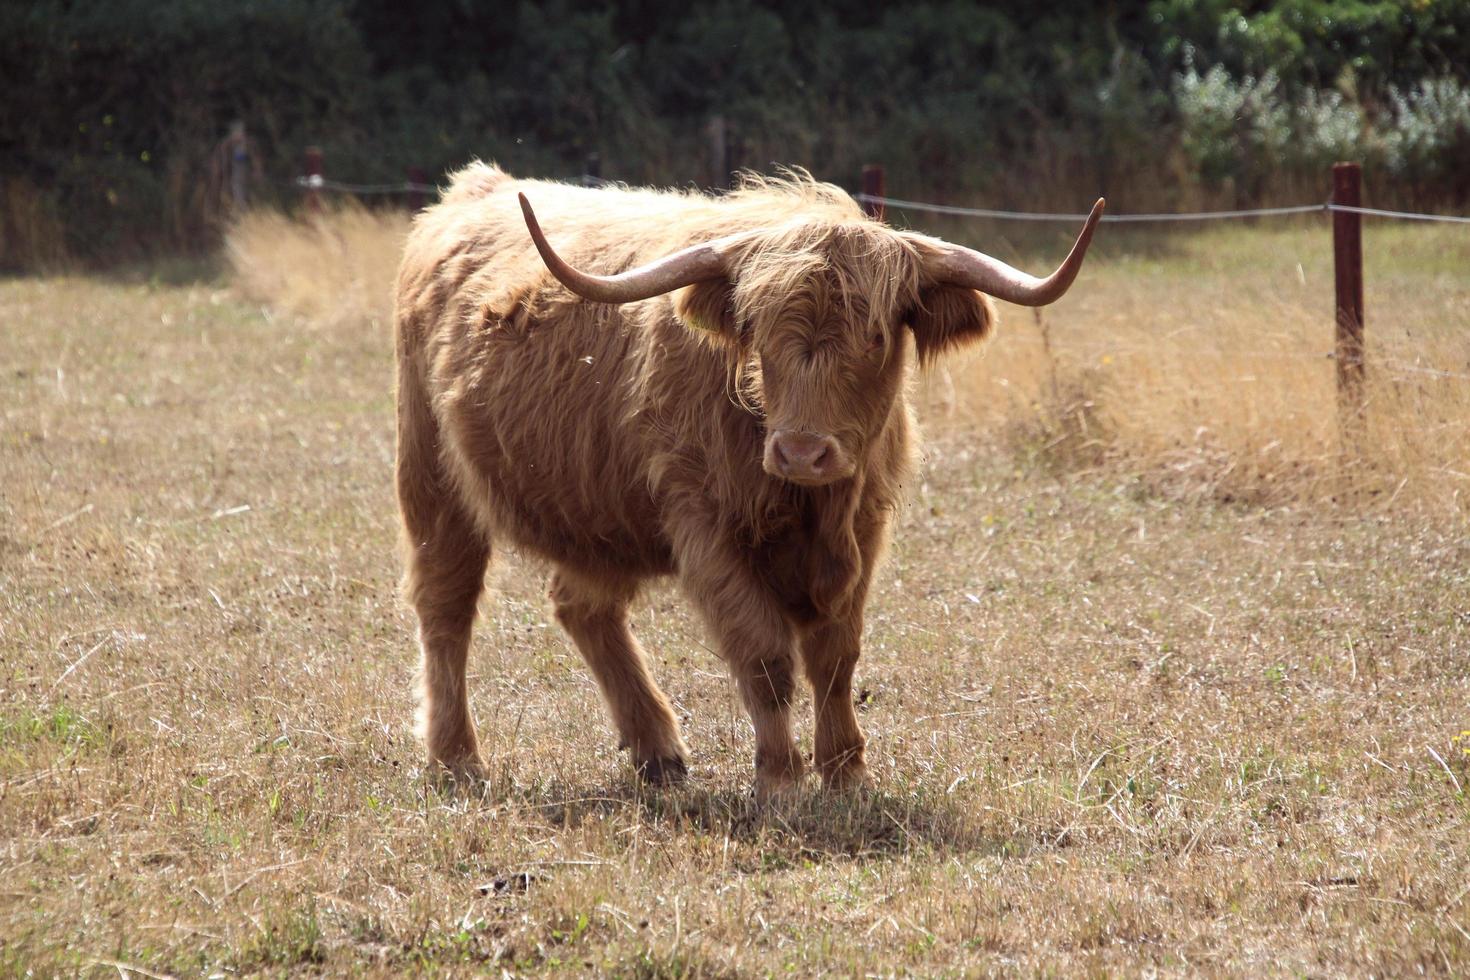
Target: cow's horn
[
  {"x": 694, "y": 264},
  {"x": 960, "y": 266}
]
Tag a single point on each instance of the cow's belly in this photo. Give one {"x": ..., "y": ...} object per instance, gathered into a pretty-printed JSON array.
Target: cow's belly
[{"x": 615, "y": 535}]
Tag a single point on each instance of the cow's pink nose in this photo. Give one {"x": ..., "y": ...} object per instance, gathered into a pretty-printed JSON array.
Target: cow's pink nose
[{"x": 804, "y": 456}]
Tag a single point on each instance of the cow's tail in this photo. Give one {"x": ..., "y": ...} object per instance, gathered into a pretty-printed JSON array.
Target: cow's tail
[{"x": 475, "y": 181}]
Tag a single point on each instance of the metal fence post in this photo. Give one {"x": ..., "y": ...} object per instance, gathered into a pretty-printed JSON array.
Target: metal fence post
[{"x": 1347, "y": 261}]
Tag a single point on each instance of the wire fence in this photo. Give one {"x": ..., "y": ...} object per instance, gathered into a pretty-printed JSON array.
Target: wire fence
[
  {"x": 316, "y": 182},
  {"x": 1409, "y": 215},
  {"x": 1344, "y": 205},
  {"x": 950, "y": 209}
]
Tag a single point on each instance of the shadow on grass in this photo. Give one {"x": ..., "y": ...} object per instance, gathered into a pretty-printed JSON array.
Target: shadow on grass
[{"x": 809, "y": 826}]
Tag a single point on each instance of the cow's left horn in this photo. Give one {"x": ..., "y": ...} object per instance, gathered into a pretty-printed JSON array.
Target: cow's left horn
[
  {"x": 697, "y": 263},
  {"x": 960, "y": 266}
]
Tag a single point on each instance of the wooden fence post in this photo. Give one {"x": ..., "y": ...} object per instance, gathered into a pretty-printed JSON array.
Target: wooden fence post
[
  {"x": 717, "y": 131},
  {"x": 1347, "y": 261},
  {"x": 314, "y": 179},
  {"x": 417, "y": 177},
  {"x": 734, "y": 157},
  {"x": 874, "y": 185}
]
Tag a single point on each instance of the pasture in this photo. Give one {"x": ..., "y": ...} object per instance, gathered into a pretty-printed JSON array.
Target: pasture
[{"x": 1159, "y": 675}]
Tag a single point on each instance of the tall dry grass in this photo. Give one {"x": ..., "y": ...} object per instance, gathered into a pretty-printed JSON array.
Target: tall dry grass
[
  {"x": 1198, "y": 361},
  {"x": 1203, "y": 363},
  {"x": 334, "y": 268}
]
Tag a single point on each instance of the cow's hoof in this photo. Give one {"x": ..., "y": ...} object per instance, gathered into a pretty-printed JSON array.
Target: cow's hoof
[
  {"x": 668, "y": 771},
  {"x": 458, "y": 772},
  {"x": 850, "y": 780},
  {"x": 777, "y": 789}
]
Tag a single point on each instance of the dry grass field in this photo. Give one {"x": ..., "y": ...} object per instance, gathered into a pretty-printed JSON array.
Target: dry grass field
[{"x": 1160, "y": 676}]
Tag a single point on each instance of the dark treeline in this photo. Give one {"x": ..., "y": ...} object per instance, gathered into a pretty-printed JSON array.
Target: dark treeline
[{"x": 113, "y": 114}]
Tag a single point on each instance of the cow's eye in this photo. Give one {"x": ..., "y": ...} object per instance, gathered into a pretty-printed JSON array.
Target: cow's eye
[{"x": 875, "y": 342}]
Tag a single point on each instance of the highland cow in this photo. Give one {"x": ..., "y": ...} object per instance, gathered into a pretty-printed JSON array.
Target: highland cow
[{"x": 669, "y": 383}]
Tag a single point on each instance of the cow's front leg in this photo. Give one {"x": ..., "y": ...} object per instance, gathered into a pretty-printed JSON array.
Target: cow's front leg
[
  {"x": 755, "y": 640},
  {"x": 595, "y": 613},
  {"x": 830, "y": 652},
  {"x": 767, "y": 684}
]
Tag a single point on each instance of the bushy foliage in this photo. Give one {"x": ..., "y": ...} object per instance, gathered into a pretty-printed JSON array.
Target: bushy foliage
[
  {"x": 1231, "y": 129},
  {"x": 112, "y": 113},
  {"x": 1242, "y": 132},
  {"x": 1426, "y": 140},
  {"x": 114, "y": 108}
]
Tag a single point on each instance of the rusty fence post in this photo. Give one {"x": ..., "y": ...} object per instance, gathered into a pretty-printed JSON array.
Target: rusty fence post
[
  {"x": 1347, "y": 262},
  {"x": 313, "y": 183},
  {"x": 874, "y": 185}
]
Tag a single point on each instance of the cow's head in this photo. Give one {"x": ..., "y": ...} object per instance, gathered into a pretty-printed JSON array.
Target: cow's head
[{"x": 821, "y": 308}]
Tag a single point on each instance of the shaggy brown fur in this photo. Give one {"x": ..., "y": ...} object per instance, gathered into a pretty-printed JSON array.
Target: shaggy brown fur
[{"x": 625, "y": 442}]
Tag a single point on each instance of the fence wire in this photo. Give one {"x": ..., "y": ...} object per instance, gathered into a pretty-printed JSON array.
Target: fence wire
[
  {"x": 950, "y": 209},
  {"x": 320, "y": 183},
  {"x": 1407, "y": 215},
  {"x": 316, "y": 182}
]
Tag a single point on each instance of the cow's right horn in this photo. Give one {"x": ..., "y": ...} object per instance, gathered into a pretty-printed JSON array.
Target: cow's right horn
[{"x": 697, "y": 263}]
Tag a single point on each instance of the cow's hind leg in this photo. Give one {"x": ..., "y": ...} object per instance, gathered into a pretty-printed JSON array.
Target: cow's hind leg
[
  {"x": 446, "y": 556},
  {"x": 445, "y": 576},
  {"x": 595, "y": 614}
]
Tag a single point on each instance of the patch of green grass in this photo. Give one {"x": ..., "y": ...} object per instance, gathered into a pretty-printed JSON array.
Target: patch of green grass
[
  {"x": 62, "y": 727},
  {"x": 288, "y": 938}
]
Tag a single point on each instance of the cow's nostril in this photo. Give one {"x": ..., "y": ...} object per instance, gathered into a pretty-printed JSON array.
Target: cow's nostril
[{"x": 823, "y": 454}]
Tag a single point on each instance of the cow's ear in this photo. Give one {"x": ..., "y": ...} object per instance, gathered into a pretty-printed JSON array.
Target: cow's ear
[
  {"x": 947, "y": 317},
  {"x": 709, "y": 307}
]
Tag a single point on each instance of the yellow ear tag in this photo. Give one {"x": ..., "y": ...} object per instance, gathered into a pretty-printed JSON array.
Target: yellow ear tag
[{"x": 698, "y": 323}]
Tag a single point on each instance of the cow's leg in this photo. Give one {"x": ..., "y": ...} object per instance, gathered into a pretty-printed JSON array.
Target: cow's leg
[
  {"x": 595, "y": 614},
  {"x": 830, "y": 652},
  {"x": 445, "y": 576},
  {"x": 753, "y": 637},
  {"x": 446, "y": 556}
]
